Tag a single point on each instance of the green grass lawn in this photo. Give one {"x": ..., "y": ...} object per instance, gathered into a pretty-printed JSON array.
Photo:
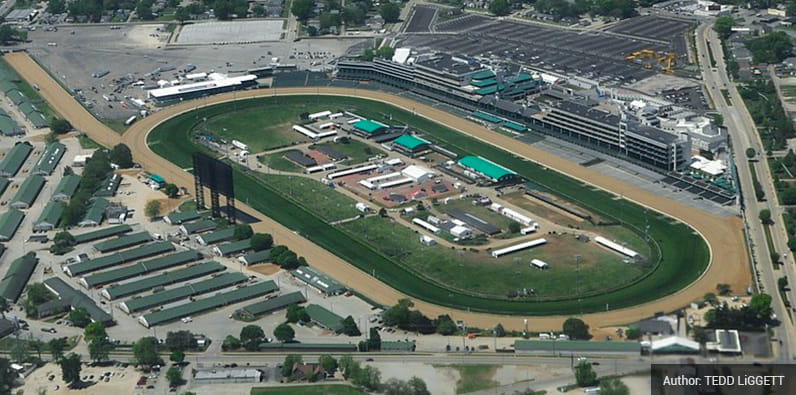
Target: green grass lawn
[
  {"x": 474, "y": 377},
  {"x": 789, "y": 91},
  {"x": 686, "y": 254},
  {"x": 87, "y": 143},
  {"x": 356, "y": 151},
  {"x": 320, "y": 389},
  {"x": 329, "y": 204},
  {"x": 277, "y": 161},
  {"x": 482, "y": 212}
]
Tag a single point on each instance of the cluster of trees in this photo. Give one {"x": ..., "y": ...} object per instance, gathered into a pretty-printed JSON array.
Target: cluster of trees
[
  {"x": 146, "y": 351},
  {"x": 771, "y": 48},
  {"x": 385, "y": 52},
  {"x": 79, "y": 317},
  {"x": 402, "y": 316},
  {"x": 228, "y": 9},
  {"x": 60, "y": 126},
  {"x": 586, "y": 377},
  {"x": 95, "y": 172},
  {"x": 10, "y": 35},
  {"x": 189, "y": 12},
  {"x": 620, "y": 9},
  {"x": 373, "y": 343},
  {"x": 152, "y": 209},
  {"x": 63, "y": 242},
  {"x": 99, "y": 345},
  {"x": 35, "y": 295},
  {"x": 576, "y": 329},
  {"x": 753, "y": 316},
  {"x": 723, "y": 26},
  {"x": 283, "y": 256},
  {"x": 764, "y": 106},
  {"x": 251, "y": 336},
  {"x": 368, "y": 376}
]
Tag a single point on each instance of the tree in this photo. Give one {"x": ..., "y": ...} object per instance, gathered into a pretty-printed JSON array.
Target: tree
[
  {"x": 62, "y": 243},
  {"x": 765, "y": 216},
  {"x": 345, "y": 364},
  {"x": 613, "y": 386},
  {"x": 99, "y": 349},
  {"x": 243, "y": 232},
  {"x": 60, "y": 126},
  {"x": 368, "y": 377},
  {"x": 287, "y": 365},
  {"x": 771, "y": 48},
  {"x": 174, "y": 375},
  {"x": 145, "y": 351},
  {"x": 251, "y": 336},
  {"x": 121, "y": 156},
  {"x": 394, "y": 386},
  {"x": 222, "y": 9},
  {"x": 445, "y": 325},
  {"x": 95, "y": 331},
  {"x": 349, "y": 327},
  {"x": 584, "y": 375},
  {"x": 7, "y": 376},
  {"x": 230, "y": 343},
  {"x": 723, "y": 26},
  {"x": 500, "y": 7},
  {"x": 711, "y": 299},
  {"x": 576, "y": 329},
  {"x": 296, "y": 313},
  {"x": 760, "y": 306},
  {"x": 70, "y": 368},
  {"x": 515, "y": 227},
  {"x": 57, "y": 347},
  {"x": 723, "y": 289},
  {"x": 374, "y": 340},
  {"x": 180, "y": 341},
  {"x": 182, "y": 14},
  {"x": 302, "y": 9},
  {"x": 327, "y": 20},
  {"x": 750, "y": 153},
  {"x": 50, "y": 138},
  {"x": 56, "y": 6},
  {"x": 152, "y": 209},
  {"x": 177, "y": 356},
  {"x": 80, "y": 317},
  {"x": 633, "y": 333},
  {"x": 418, "y": 386},
  {"x": 499, "y": 331},
  {"x": 258, "y": 10},
  {"x": 390, "y": 12},
  {"x": 144, "y": 10},
  {"x": 171, "y": 190},
  {"x": 261, "y": 241},
  {"x": 328, "y": 363},
  {"x": 398, "y": 315},
  {"x": 284, "y": 332}
]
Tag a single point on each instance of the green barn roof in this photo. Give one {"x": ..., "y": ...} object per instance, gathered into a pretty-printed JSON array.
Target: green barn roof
[
  {"x": 184, "y": 292},
  {"x": 50, "y": 216},
  {"x": 28, "y": 191},
  {"x": 49, "y": 159},
  {"x": 324, "y": 317},
  {"x": 102, "y": 233},
  {"x": 14, "y": 159},
  {"x": 66, "y": 187},
  {"x": 134, "y": 287},
  {"x": 411, "y": 142},
  {"x": 486, "y": 167},
  {"x": 140, "y": 268},
  {"x": 514, "y": 126},
  {"x": 274, "y": 304},
  {"x": 17, "y": 277},
  {"x": 369, "y": 126},
  {"x": 9, "y": 222},
  {"x": 123, "y": 242}
]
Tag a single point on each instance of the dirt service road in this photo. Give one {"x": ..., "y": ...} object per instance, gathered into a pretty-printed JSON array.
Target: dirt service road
[{"x": 724, "y": 235}]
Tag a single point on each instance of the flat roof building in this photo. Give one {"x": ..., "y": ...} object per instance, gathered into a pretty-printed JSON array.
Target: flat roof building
[
  {"x": 228, "y": 376},
  {"x": 28, "y": 192},
  {"x": 201, "y": 89},
  {"x": 318, "y": 280},
  {"x": 66, "y": 188},
  {"x": 15, "y": 158},
  {"x": 50, "y": 217},
  {"x": 368, "y": 128},
  {"x": 410, "y": 145},
  {"x": 49, "y": 159},
  {"x": 486, "y": 168},
  {"x": 17, "y": 276},
  {"x": 9, "y": 223}
]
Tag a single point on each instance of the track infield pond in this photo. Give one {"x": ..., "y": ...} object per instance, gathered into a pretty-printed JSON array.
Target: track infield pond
[{"x": 683, "y": 254}]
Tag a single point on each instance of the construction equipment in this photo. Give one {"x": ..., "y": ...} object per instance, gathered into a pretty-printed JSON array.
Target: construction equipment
[{"x": 667, "y": 61}]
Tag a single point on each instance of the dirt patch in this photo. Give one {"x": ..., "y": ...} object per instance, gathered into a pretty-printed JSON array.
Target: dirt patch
[
  {"x": 265, "y": 269},
  {"x": 122, "y": 381}
]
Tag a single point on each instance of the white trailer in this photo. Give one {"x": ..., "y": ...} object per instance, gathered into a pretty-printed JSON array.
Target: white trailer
[
  {"x": 238, "y": 144},
  {"x": 317, "y": 115},
  {"x": 305, "y": 131},
  {"x": 539, "y": 263},
  {"x": 315, "y": 169},
  {"x": 362, "y": 207},
  {"x": 352, "y": 171},
  {"x": 130, "y": 120},
  {"x": 518, "y": 247},
  {"x": 425, "y": 225},
  {"x": 616, "y": 247},
  {"x": 522, "y": 219},
  {"x": 530, "y": 229}
]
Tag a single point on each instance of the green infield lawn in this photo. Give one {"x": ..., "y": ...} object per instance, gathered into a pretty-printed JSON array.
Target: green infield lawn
[
  {"x": 356, "y": 151},
  {"x": 319, "y": 389},
  {"x": 684, "y": 256},
  {"x": 325, "y": 201},
  {"x": 277, "y": 161}
]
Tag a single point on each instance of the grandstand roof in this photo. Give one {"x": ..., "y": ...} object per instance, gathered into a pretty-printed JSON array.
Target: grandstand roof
[
  {"x": 483, "y": 83},
  {"x": 9, "y": 222},
  {"x": 49, "y": 159},
  {"x": 14, "y": 159},
  {"x": 118, "y": 258},
  {"x": 134, "y": 287},
  {"x": 369, "y": 126},
  {"x": 141, "y": 268},
  {"x": 208, "y": 303},
  {"x": 17, "y": 276},
  {"x": 274, "y": 304},
  {"x": 66, "y": 187},
  {"x": 51, "y": 215},
  {"x": 486, "y": 116},
  {"x": 77, "y": 299},
  {"x": 411, "y": 142},
  {"x": 184, "y": 292},
  {"x": 483, "y": 75},
  {"x": 178, "y": 217},
  {"x": 95, "y": 212},
  {"x": 123, "y": 242},
  {"x": 102, "y": 233},
  {"x": 28, "y": 191},
  {"x": 486, "y": 167},
  {"x": 514, "y": 126},
  {"x": 324, "y": 317}
]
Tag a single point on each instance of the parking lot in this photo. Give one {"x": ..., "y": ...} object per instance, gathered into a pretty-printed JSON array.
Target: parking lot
[
  {"x": 231, "y": 32},
  {"x": 589, "y": 54},
  {"x": 656, "y": 28},
  {"x": 421, "y": 20}
]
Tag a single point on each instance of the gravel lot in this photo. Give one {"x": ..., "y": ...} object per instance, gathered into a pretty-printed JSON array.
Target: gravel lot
[{"x": 232, "y": 32}]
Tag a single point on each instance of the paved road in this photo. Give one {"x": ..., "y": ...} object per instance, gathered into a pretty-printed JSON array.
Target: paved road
[
  {"x": 724, "y": 235},
  {"x": 743, "y": 134}
]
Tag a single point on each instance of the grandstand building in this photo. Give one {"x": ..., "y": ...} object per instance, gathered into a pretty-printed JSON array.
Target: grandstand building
[{"x": 201, "y": 89}]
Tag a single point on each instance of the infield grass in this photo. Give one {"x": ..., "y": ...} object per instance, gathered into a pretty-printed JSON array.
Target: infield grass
[{"x": 684, "y": 254}]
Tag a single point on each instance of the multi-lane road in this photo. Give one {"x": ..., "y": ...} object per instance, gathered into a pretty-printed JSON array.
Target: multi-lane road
[{"x": 743, "y": 134}]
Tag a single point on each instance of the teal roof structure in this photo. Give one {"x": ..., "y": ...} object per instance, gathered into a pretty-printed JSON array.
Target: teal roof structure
[
  {"x": 486, "y": 167},
  {"x": 14, "y": 159},
  {"x": 369, "y": 126},
  {"x": 9, "y": 223},
  {"x": 486, "y": 117},
  {"x": 411, "y": 142}
]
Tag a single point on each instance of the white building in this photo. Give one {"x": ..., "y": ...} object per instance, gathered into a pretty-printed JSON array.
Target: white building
[
  {"x": 461, "y": 232},
  {"x": 417, "y": 173},
  {"x": 709, "y": 169},
  {"x": 702, "y": 131}
]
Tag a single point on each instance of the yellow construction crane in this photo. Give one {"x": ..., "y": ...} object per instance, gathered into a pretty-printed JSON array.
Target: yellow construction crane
[{"x": 667, "y": 61}]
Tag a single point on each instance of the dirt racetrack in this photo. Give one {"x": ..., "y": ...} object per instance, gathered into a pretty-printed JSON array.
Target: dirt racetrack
[{"x": 729, "y": 261}]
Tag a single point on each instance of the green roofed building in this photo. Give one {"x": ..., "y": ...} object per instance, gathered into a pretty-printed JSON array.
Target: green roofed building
[
  {"x": 76, "y": 299},
  {"x": 38, "y": 119},
  {"x": 16, "y": 96},
  {"x": 576, "y": 346},
  {"x": 233, "y": 248},
  {"x": 118, "y": 258},
  {"x": 325, "y": 318},
  {"x": 221, "y": 281},
  {"x": 4, "y": 183},
  {"x": 410, "y": 145},
  {"x": 482, "y": 75},
  {"x": 66, "y": 187},
  {"x": 8, "y": 126},
  {"x": 208, "y": 303},
  {"x": 487, "y": 168},
  {"x": 123, "y": 242},
  {"x": 217, "y": 236},
  {"x": 367, "y": 128},
  {"x": 178, "y": 217},
  {"x": 318, "y": 280},
  {"x": 95, "y": 213},
  {"x": 17, "y": 277},
  {"x": 9, "y": 223},
  {"x": 49, "y": 159},
  {"x": 253, "y": 311},
  {"x": 398, "y": 346},
  {"x": 308, "y": 347},
  {"x": 255, "y": 257},
  {"x": 14, "y": 159},
  {"x": 27, "y": 192},
  {"x": 102, "y": 233},
  {"x": 198, "y": 270},
  {"x": 50, "y": 217},
  {"x": 109, "y": 186},
  {"x": 140, "y": 268},
  {"x": 189, "y": 228},
  {"x": 483, "y": 83},
  {"x": 483, "y": 116}
]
